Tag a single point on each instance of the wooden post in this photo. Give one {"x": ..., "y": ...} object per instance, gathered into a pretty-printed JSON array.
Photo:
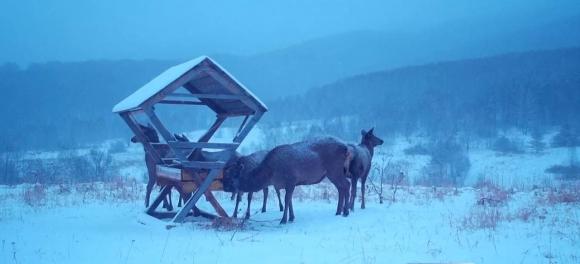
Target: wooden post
[{"x": 201, "y": 189}]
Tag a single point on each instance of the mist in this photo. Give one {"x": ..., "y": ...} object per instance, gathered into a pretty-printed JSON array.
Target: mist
[{"x": 35, "y": 31}]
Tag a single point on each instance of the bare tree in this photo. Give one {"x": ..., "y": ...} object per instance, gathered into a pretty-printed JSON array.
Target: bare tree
[{"x": 101, "y": 163}]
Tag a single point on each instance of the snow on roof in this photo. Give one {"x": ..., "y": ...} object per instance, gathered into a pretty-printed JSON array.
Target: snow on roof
[
  {"x": 167, "y": 77},
  {"x": 156, "y": 85},
  {"x": 241, "y": 86}
]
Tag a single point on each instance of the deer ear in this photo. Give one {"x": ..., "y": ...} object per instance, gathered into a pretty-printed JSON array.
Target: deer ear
[
  {"x": 372, "y": 130},
  {"x": 363, "y": 132}
]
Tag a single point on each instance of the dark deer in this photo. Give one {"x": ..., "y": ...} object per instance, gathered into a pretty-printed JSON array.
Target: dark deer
[
  {"x": 360, "y": 165},
  {"x": 302, "y": 163},
  {"x": 152, "y": 137},
  {"x": 242, "y": 166}
]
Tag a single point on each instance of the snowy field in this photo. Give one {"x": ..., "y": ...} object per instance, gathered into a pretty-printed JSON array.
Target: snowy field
[
  {"x": 96, "y": 223},
  {"x": 518, "y": 214}
]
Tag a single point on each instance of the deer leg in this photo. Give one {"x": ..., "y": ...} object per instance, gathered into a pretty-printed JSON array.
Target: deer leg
[
  {"x": 291, "y": 218},
  {"x": 265, "y": 190},
  {"x": 167, "y": 200},
  {"x": 287, "y": 200},
  {"x": 180, "y": 201},
  {"x": 148, "y": 192},
  {"x": 233, "y": 196},
  {"x": 340, "y": 188},
  {"x": 250, "y": 194},
  {"x": 340, "y": 201},
  {"x": 238, "y": 200},
  {"x": 346, "y": 193},
  {"x": 353, "y": 183},
  {"x": 279, "y": 200},
  {"x": 363, "y": 181}
]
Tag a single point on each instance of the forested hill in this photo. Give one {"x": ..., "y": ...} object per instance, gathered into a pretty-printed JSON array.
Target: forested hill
[
  {"x": 57, "y": 105},
  {"x": 530, "y": 90},
  {"x": 60, "y": 105}
]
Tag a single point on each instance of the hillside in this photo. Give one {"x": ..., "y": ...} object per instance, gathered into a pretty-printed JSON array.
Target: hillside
[
  {"x": 529, "y": 90},
  {"x": 58, "y": 105}
]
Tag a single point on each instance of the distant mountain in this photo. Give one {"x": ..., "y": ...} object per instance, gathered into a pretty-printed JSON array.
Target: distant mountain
[
  {"x": 61, "y": 104},
  {"x": 296, "y": 69},
  {"x": 57, "y": 105},
  {"x": 529, "y": 91}
]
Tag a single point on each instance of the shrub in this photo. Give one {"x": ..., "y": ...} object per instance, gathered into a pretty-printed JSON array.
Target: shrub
[
  {"x": 449, "y": 164},
  {"x": 570, "y": 194},
  {"x": 35, "y": 195},
  {"x": 418, "y": 149},
  {"x": 571, "y": 172},
  {"x": 506, "y": 146},
  {"x": 490, "y": 194},
  {"x": 482, "y": 218},
  {"x": 566, "y": 137},
  {"x": 537, "y": 142},
  {"x": 73, "y": 167},
  {"x": 117, "y": 146}
]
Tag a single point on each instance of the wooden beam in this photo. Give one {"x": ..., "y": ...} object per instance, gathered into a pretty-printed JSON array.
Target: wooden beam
[
  {"x": 192, "y": 145},
  {"x": 207, "y": 136},
  {"x": 226, "y": 82},
  {"x": 170, "y": 88},
  {"x": 219, "y": 96},
  {"x": 164, "y": 192},
  {"x": 214, "y": 107},
  {"x": 207, "y": 96},
  {"x": 201, "y": 190},
  {"x": 133, "y": 125},
  {"x": 180, "y": 102},
  {"x": 248, "y": 127},
  {"x": 243, "y": 124},
  {"x": 203, "y": 164}
]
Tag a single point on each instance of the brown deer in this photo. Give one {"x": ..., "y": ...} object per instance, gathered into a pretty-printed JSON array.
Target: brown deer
[
  {"x": 360, "y": 165},
  {"x": 303, "y": 163},
  {"x": 152, "y": 136},
  {"x": 244, "y": 165}
]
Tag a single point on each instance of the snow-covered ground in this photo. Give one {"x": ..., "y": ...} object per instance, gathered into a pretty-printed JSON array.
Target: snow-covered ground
[
  {"x": 98, "y": 223},
  {"x": 536, "y": 221}
]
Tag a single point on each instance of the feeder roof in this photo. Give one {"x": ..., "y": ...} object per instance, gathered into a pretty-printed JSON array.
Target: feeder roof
[{"x": 205, "y": 81}]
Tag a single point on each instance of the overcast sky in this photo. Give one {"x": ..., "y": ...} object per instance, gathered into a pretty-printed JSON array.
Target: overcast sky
[{"x": 73, "y": 30}]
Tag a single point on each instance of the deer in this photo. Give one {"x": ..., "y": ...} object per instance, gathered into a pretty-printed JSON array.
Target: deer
[
  {"x": 360, "y": 164},
  {"x": 302, "y": 163},
  {"x": 244, "y": 165},
  {"x": 152, "y": 137}
]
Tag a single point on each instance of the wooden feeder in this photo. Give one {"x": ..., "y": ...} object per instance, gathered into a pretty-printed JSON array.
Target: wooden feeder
[{"x": 183, "y": 163}]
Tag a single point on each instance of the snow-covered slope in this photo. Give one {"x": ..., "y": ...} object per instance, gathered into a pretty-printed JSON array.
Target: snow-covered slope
[{"x": 424, "y": 225}]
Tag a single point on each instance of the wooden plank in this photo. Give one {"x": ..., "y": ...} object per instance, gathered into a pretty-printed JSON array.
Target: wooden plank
[
  {"x": 216, "y": 108},
  {"x": 170, "y": 88},
  {"x": 219, "y": 96},
  {"x": 248, "y": 127},
  {"x": 157, "y": 123},
  {"x": 203, "y": 187},
  {"x": 164, "y": 192},
  {"x": 192, "y": 145},
  {"x": 243, "y": 124},
  {"x": 128, "y": 117},
  {"x": 232, "y": 86},
  {"x": 207, "y": 96},
  {"x": 207, "y": 136},
  {"x": 173, "y": 174},
  {"x": 204, "y": 164},
  {"x": 181, "y": 102}
]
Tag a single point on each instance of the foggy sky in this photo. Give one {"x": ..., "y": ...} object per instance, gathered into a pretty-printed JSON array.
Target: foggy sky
[{"x": 75, "y": 30}]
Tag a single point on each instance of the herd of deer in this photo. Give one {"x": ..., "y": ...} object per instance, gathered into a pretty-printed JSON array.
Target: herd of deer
[{"x": 287, "y": 166}]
